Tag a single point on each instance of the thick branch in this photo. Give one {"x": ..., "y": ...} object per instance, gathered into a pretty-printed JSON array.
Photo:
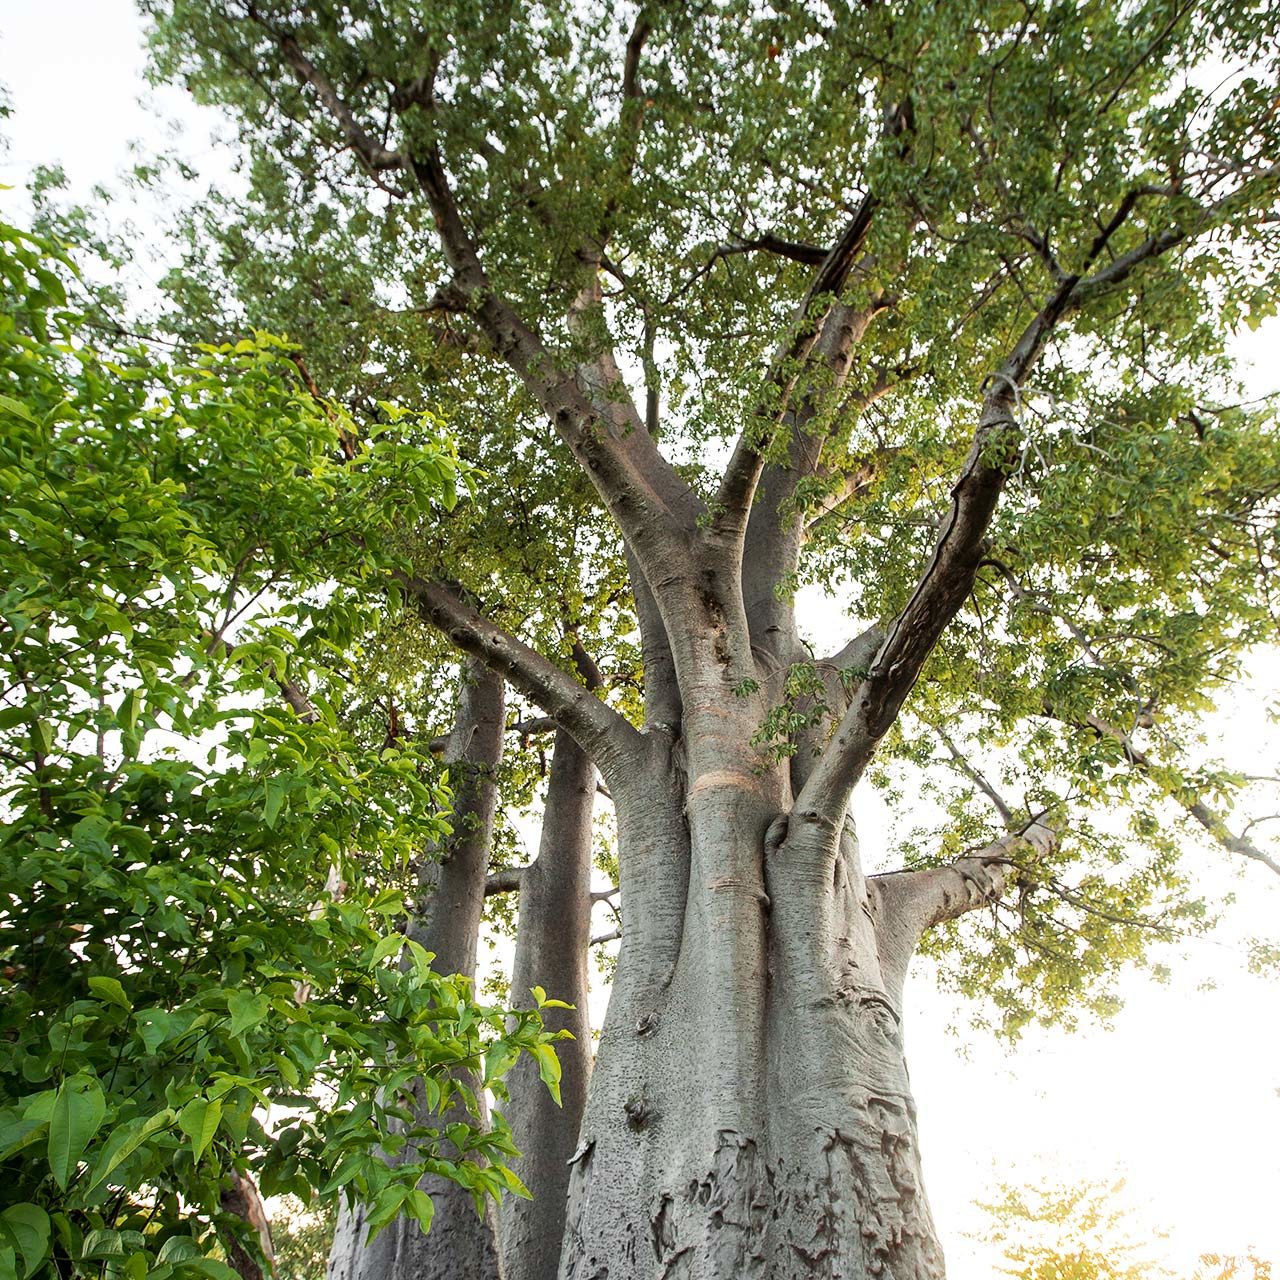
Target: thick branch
[
  {"x": 945, "y": 583},
  {"x": 639, "y": 487},
  {"x": 631, "y": 64},
  {"x": 371, "y": 153},
  {"x": 599, "y": 730},
  {"x": 859, "y": 653},
  {"x": 738, "y": 485},
  {"x": 508, "y": 880},
  {"x": 949, "y": 577},
  {"x": 907, "y": 903}
]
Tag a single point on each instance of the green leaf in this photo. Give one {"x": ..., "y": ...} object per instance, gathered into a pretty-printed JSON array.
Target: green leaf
[
  {"x": 388, "y": 946},
  {"x": 511, "y": 1181},
  {"x": 247, "y": 1010},
  {"x": 78, "y": 1110},
  {"x": 130, "y": 706},
  {"x": 548, "y": 1068},
  {"x": 274, "y": 799},
  {"x": 21, "y": 1132},
  {"x": 29, "y": 1225},
  {"x": 498, "y": 1060},
  {"x": 199, "y": 1120},
  {"x": 388, "y": 902},
  {"x": 386, "y": 1205},
  {"x": 215, "y": 1268},
  {"x": 178, "y": 1249},
  {"x": 420, "y": 1207},
  {"x": 105, "y": 1243},
  {"x": 17, "y": 409},
  {"x": 155, "y": 1026},
  {"x": 125, "y": 1140},
  {"x": 110, "y": 990}
]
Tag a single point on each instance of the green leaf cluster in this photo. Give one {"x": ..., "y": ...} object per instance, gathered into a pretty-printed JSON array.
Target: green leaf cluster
[{"x": 194, "y": 553}]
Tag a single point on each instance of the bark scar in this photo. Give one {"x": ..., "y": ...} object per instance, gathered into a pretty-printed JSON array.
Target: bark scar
[{"x": 726, "y": 778}]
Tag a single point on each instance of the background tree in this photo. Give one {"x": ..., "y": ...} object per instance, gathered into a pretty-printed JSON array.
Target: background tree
[
  {"x": 949, "y": 292},
  {"x": 1078, "y": 1233}
]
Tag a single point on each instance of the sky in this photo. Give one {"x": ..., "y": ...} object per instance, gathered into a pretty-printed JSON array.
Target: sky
[{"x": 1181, "y": 1096}]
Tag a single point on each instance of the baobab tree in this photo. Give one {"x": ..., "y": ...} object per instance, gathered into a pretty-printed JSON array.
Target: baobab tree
[{"x": 925, "y": 305}]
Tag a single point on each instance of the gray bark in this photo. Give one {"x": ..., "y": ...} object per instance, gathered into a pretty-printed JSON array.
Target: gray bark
[
  {"x": 751, "y": 1114},
  {"x": 461, "y": 1245},
  {"x": 551, "y": 951}
]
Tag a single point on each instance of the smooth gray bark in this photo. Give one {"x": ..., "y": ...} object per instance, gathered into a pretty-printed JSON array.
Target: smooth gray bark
[
  {"x": 554, "y": 932},
  {"x": 751, "y": 1114}
]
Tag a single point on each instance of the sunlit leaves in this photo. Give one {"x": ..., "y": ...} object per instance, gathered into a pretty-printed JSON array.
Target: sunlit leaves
[{"x": 193, "y": 559}]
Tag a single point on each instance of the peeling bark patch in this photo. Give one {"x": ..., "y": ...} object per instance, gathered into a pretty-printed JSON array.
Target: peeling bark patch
[
  {"x": 845, "y": 1206},
  {"x": 661, "y": 1230},
  {"x": 713, "y": 1224}
]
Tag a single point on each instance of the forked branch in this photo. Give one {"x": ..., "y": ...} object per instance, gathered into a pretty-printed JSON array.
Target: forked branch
[
  {"x": 738, "y": 484},
  {"x": 945, "y": 583}
]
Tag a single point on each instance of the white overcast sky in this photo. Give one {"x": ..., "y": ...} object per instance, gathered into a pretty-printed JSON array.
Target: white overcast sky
[{"x": 1182, "y": 1097}]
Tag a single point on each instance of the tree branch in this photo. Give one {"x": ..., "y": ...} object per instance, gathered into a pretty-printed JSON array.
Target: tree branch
[
  {"x": 601, "y": 732},
  {"x": 636, "y": 483},
  {"x": 907, "y": 903},
  {"x": 738, "y": 484},
  {"x": 508, "y": 880},
  {"x": 639, "y": 487},
  {"x": 1119, "y": 270},
  {"x": 372, "y": 154},
  {"x": 1195, "y": 807},
  {"x": 858, "y": 654},
  {"x": 961, "y": 762},
  {"x": 945, "y": 583}
]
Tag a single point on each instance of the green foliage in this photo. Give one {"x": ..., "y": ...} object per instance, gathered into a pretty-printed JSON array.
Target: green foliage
[{"x": 194, "y": 551}]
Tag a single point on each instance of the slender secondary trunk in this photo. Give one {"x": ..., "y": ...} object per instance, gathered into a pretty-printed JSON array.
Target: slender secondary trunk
[
  {"x": 461, "y": 1244},
  {"x": 551, "y": 951},
  {"x": 240, "y": 1197}
]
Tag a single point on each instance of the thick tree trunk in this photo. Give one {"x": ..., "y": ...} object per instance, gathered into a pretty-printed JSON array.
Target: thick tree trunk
[
  {"x": 461, "y": 1244},
  {"x": 750, "y": 1112},
  {"x": 551, "y": 952}
]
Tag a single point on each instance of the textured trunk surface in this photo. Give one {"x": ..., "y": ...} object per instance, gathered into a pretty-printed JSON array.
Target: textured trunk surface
[
  {"x": 240, "y": 1196},
  {"x": 750, "y": 1113},
  {"x": 461, "y": 1245},
  {"x": 551, "y": 952}
]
